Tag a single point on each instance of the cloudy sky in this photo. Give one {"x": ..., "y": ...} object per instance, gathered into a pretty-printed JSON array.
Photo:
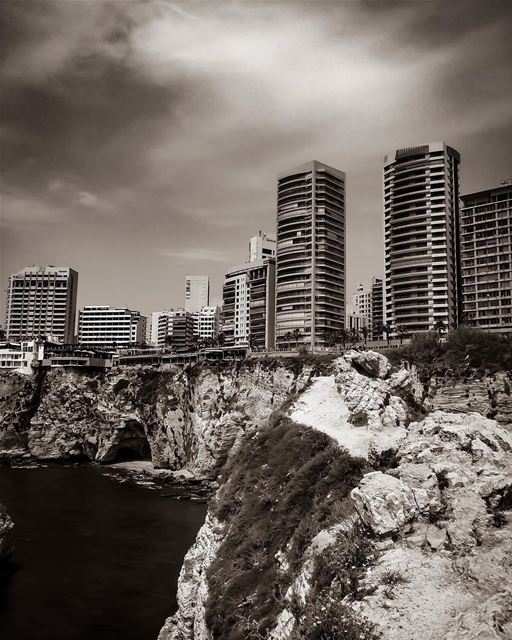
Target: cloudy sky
[{"x": 141, "y": 140}]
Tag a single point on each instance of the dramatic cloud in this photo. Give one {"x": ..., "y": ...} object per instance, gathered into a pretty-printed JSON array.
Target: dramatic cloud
[{"x": 141, "y": 137}]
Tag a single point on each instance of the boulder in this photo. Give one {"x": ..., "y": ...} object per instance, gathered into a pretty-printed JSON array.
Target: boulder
[
  {"x": 369, "y": 363},
  {"x": 384, "y": 503}
]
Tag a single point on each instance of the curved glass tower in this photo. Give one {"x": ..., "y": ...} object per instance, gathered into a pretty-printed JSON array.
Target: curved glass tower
[{"x": 310, "y": 270}]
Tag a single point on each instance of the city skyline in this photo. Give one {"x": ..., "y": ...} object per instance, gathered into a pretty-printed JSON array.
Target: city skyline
[{"x": 134, "y": 157}]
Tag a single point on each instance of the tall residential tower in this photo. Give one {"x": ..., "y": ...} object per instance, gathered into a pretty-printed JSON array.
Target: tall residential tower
[
  {"x": 421, "y": 214},
  {"x": 41, "y": 301},
  {"x": 310, "y": 271},
  {"x": 486, "y": 252}
]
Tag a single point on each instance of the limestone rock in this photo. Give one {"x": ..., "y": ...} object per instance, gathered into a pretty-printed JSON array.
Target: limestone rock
[
  {"x": 369, "y": 363},
  {"x": 384, "y": 503}
]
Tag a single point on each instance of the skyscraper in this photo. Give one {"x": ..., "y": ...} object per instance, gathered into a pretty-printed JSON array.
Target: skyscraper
[
  {"x": 486, "y": 253},
  {"x": 197, "y": 293},
  {"x": 421, "y": 214},
  {"x": 41, "y": 301},
  {"x": 310, "y": 271}
]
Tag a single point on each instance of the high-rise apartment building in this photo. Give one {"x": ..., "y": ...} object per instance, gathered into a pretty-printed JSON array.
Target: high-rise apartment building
[
  {"x": 486, "y": 255},
  {"x": 173, "y": 328},
  {"x": 248, "y": 294},
  {"x": 377, "y": 308},
  {"x": 262, "y": 246},
  {"x": 362, "y": 304},
  {"x": 248, "y": 310},
  {"x": 197, "y": 293},
  {"x": 206, "y": 323},
  {"x": 421, "y": 214},
  {"x": 108, "y": 326},
  {"x": 310, "y": 271},
  {"x": 41, "y": 301}
]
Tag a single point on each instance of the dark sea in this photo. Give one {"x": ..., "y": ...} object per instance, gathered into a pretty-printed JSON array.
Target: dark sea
[{"x": 94, "y": 558}]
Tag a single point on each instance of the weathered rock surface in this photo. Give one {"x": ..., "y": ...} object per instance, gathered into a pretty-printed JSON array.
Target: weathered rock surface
[
  {"x": 489, "y": 395},
  {"x": 455, "y": 556},
  {"x": 177, "y": 418},
  {"x": 385, "y": 504}
]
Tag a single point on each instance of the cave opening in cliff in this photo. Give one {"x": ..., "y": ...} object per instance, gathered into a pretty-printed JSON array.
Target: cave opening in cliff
[{"x": 131, "y": 452}]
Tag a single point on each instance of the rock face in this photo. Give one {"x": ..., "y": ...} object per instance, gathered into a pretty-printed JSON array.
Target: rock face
[
  {"x": 440, "y": 539},
  {"x": 177, "y": 418},
  {"x": 410, "y": 539},
  {"x": 385, "y": 504},
  {"x": 458, "y": 468},
  {"x": 6, "y": 534},
  {"x": 489, "y": 395}
]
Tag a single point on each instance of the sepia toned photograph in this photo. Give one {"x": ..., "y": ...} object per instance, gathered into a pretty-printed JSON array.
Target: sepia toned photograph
[{"x": 256, "y": 320}]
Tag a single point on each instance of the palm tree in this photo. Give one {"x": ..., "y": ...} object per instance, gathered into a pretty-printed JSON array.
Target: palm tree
[
  {"x": 289, "y": 337},
  {"x": 343, "y": 336},
  {"x": 364, "y": 333},
  {"x": 439, "y": 326},
  {"x": 386, "y": 329},
  {"x": 401, "y": 331},
  {"x": 296, "y": 335}
]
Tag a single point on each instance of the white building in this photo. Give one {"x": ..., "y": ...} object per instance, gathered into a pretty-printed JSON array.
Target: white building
[
  {"x": 104, "y": 325},
  {"x": 206, "y": 322},
  {"x": 41, "y": 301},
  {"x": 362, "y": 304},
  {"x": 197, "y": 293},
  {"x": 20, "y": 356},
  {"x": 262, "y": 246}
]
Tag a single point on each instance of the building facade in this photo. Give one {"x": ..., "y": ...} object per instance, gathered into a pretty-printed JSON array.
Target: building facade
[
  {"x": 486, "y": 255},
  {"x": 262, "y": 246},
  {"x": 206, "y": 323},
  {"x": 310, "y": 268},
  {"x": 173, "y": 328},
  {"x": 197, "y": 293},
  {"x": 362, "y": 304},
  {"x": 377, "y": 308},
  {"x": 248, "y": 297},
  {"x": 421, "y": 217},
  {"x": 41, "y": 301},
  {"x": 104, "y": 325}
]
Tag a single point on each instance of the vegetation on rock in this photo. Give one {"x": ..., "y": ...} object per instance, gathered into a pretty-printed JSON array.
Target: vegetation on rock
[
  {"x": 283, "y": 486},
  {"x": 465, "y": 350}
]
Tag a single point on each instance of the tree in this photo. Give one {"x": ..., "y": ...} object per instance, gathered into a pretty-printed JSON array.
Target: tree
[
  {"x": 353, "y": 335},
  {"x": 439, "y": 326},
  {"x": 296, "y": 335},
  {"x": 386, "y": 329},
  {"x": 364, "y": 333},
  {"x": 401, "y": 331},
  {"x": 343, "y": 336},
  {"x": 289, "y": 337}
]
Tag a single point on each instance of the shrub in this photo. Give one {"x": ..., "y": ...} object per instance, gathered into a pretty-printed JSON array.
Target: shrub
[{"x": 465, "y": 349}]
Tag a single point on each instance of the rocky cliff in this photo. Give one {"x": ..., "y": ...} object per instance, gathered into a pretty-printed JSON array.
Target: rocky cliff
[
  {"x": 177, "y": 418},
  {"x": 348, "y": 504},
  {"x": 356, "y": 515}
]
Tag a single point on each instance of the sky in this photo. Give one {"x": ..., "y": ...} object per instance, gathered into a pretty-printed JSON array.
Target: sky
[{"x": 141, "y": 140}]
